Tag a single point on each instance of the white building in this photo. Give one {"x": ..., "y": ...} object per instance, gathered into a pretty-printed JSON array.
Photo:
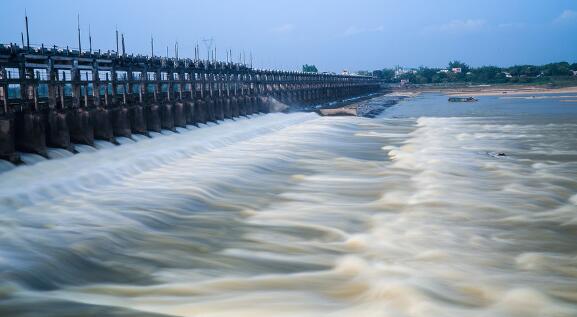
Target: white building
[{"x": 401, "y": 71}]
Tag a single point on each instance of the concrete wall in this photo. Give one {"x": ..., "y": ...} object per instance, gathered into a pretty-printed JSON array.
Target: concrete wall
[{"x": 105, "y": 96}]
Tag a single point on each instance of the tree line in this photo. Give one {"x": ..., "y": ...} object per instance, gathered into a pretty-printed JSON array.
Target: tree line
[
  {"x": 457, "y": 72},
  {"x": 310, "y": 69}
]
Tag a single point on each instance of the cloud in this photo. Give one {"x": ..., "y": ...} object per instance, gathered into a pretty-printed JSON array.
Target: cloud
[
  {"x": 285, "y": 28},
  {"x": 458, "y": 26},
  {"x": 566, "y": 16},
  {"x": 511, "y": 25},
  {"x": 354, "y": 30}
]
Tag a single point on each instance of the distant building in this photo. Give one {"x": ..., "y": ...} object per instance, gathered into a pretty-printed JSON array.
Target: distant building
[
  {"x": 362, "y": 73},
  {"x": 399, "y": 71},
  {"x": 444, "y": 71},
  {"x": 574, "y": 72},
  {"x": 456, "y": 70},
  {"x": 404, "y": 82},
  {"x": 508, "y": 75},
  {"x": 345, "y": 72}
]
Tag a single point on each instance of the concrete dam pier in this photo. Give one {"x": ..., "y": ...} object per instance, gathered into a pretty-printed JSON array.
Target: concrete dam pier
[{"x": 58, "y": 98}]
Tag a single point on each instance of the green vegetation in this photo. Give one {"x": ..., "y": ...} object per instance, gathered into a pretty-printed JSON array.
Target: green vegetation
[
  {"x": 310, "y": 69},
  {"x": 459, "y": 72}
]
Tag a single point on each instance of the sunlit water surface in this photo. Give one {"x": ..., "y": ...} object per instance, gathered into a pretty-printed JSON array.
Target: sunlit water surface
[{"x": 413, "y": 213}]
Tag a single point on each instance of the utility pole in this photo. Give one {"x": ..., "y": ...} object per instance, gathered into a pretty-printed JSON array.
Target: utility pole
[
  {"x": 151, "y": 46},
  {"x": 123, "y": 47},
  {"x": 89, "y": 39},
  {"x": 176, "y": 49},
  {"x": 78, "y": 26},
  {"x": 27, "y": 33},
  {"x": 117, "y": 41}
]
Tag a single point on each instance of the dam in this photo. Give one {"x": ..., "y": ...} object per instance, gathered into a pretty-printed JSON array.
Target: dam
[{"x": 52, "y": 97}]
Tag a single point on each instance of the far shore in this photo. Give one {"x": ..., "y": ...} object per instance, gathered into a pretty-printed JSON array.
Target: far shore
[
  {"x": 487, "y": 90},
  {"x": 359, "y": 107}
]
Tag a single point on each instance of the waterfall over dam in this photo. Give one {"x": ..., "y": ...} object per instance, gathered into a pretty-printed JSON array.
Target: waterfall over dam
[
  {"x": 407, "y": 214},
  {"x": 57, "y": 98}
]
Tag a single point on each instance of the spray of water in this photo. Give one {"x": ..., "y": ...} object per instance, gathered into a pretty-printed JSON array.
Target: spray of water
[{"x": 299, "y": 215}]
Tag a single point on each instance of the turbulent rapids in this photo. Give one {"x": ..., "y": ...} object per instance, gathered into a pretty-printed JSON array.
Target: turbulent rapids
[{"x": 407, "y": 214}]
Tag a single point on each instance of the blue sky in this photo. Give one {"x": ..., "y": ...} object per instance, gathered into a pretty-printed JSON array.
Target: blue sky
[{"x": 334, "y": 35}]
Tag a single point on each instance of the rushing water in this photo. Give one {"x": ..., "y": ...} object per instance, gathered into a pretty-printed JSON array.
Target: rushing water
[{"x": 413, "y": 213}]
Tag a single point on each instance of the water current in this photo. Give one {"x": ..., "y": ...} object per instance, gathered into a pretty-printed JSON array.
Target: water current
[{"x": 431, "y": 209}]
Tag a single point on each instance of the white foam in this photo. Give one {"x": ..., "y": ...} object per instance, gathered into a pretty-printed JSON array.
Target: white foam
[{"x": 298, "y": 215}]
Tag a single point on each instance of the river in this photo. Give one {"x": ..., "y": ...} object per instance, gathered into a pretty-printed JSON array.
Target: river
[{"x": 431, "y": 209}]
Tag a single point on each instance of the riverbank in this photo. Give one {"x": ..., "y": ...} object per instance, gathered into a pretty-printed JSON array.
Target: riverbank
[
  {"x": 367, "y": 107},
  {"x": 489, "y": 90},
  {"x": 370, "y": 106}
]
